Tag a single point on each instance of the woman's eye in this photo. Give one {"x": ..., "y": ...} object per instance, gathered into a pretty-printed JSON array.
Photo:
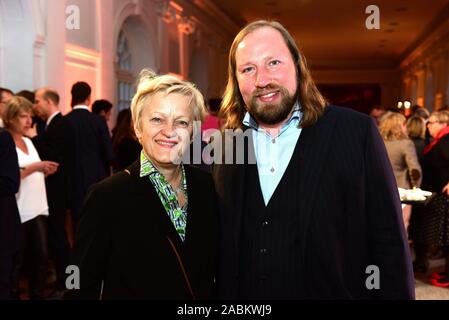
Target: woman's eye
[
  {"x": 274, "y": 62},
  {"x": 156, "y": 120},
  {"x": 183, "y": 123}
]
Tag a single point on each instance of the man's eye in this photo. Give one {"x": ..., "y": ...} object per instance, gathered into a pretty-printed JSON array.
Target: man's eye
[
  {"x": 247, "y": 69},
  {"x": 274, "y": 62}
]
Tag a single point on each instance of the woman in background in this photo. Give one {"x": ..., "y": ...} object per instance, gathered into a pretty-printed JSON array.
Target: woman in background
[
  {"x": 435, "y": 164},
  {"x": 402, "y": 154},
  {"x": 31, "y": 198},
  {"x": 416, "y": 129},
  {"x": 125, "y": 145}
]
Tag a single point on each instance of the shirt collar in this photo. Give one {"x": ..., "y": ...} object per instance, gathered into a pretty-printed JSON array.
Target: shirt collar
[
  {"x": 296, "y": 115},
  {"x": 146, "y": 167},
  {"x": 81, "y": 106},
  {"x": 51, "y": 117}
]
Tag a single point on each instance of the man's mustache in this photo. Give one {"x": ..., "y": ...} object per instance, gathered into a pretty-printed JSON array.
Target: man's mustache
[{"x": 267, "y": 89}]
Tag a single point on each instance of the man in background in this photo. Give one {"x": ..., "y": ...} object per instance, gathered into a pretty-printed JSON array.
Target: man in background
[
  {"x": 88, "y": 149},
  {"x": 50, "y": 145},
  {"x": 5, "y": 95}
]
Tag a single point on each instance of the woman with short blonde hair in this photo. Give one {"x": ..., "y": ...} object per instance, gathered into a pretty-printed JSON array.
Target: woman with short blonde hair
[
  {"x": 149, "y": 232},
  {"x": 31, "y": 198},
  {"x": 150, "y": 84}
]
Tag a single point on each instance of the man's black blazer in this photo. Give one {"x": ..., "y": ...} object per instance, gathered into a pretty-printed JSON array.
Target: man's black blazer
[
  {"x": 50, "y": 146},
  {"x": 126, "y": 239},
  {"x": 9, "y": 186},
  {"x": 349, "y": 214},
  {"x": 87, "y": 153}
]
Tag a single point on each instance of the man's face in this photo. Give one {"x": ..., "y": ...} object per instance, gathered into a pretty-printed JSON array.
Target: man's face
[
  {"x": 40, "y": 105},
  {"x": 4, "y": 98},
  {"x": 266, "y": 74},
  {"x": 105, "y": 114}
]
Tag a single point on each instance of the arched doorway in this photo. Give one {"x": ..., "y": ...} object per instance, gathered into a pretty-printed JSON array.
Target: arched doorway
[{"x": 135, "y": 50}]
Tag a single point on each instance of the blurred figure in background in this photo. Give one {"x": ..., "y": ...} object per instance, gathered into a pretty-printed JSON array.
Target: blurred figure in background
[
  {"x": 102, "y": 108},
  {"x": 421, "y": 112},
  {"x": 31, "y": 198},
  {"x": 38, "y": 125},
  {"x": 435, "y": 221},
  {"x": 88, "y": 149},
  {"x": 5, "y": 95},
  {"x": 402, "y": 154},
  {"x": 9, "y": 214},
  {"x": 125, "y": 145},
  {"x": 377, "y": 112},
  {"x": 416, "y": 129},
  {"x": 211, "y": 121},
  {"x": 50, "y": 146}
]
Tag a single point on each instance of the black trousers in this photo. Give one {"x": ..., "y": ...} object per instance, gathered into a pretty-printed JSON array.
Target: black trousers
[
  {"x": 58, "y": 244},
  {"x": 33, "y": 240},
  {"x": 5, "y": 275}
]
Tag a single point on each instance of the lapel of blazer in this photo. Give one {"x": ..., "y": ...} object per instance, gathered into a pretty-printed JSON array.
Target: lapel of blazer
[
  {"x": 193, "y": 208},
  {"x": 314, "y": 148},
  {"x": 229, "y": 180},
  {"x": 155, "y": 212}
]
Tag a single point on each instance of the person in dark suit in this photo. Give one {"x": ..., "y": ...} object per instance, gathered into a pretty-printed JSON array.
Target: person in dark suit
[
  {"x": 312, "y": 211},
  {"x": 149, "y": 232},
  {"x": 9, "y": 214},
  {"x": 50, "y": 146},
  {"x": 88, "y": 148},
  {"x": 435, "y": 163}
]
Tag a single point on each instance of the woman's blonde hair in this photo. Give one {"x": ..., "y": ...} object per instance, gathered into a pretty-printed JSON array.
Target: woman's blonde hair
[
  {"x": 391, "y": 126},
  {"x": 416, "y": 127},
  {"x": 14, "y": 107},
  {"x": 441, "y": 116},
  {"x": 311, "y": 101},
  {"x": 149, "y": 83}
]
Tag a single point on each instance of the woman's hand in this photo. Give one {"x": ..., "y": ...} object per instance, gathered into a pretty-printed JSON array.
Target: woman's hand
[
  {"x": 446, "y": 189},
  {"x": 48, "y": 167}
]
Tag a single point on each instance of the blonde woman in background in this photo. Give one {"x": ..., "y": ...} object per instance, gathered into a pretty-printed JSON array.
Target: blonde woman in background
[
  {"x": 416, "y": 129},
  {"x": 31, "y": 198},
  {"x": 402, "y": 154}
]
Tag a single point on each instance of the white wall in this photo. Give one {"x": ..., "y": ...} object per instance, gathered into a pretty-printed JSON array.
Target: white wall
[
  {"x": 87, "y": 35},
  {"x": 18, "y": 35}
]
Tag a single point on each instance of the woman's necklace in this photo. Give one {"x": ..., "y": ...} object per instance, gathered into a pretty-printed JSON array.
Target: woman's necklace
[{"x": 180, "y": 187}]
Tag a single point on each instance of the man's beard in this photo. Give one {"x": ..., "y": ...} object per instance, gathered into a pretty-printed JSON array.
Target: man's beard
[{"x": 271, "y": 113}]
